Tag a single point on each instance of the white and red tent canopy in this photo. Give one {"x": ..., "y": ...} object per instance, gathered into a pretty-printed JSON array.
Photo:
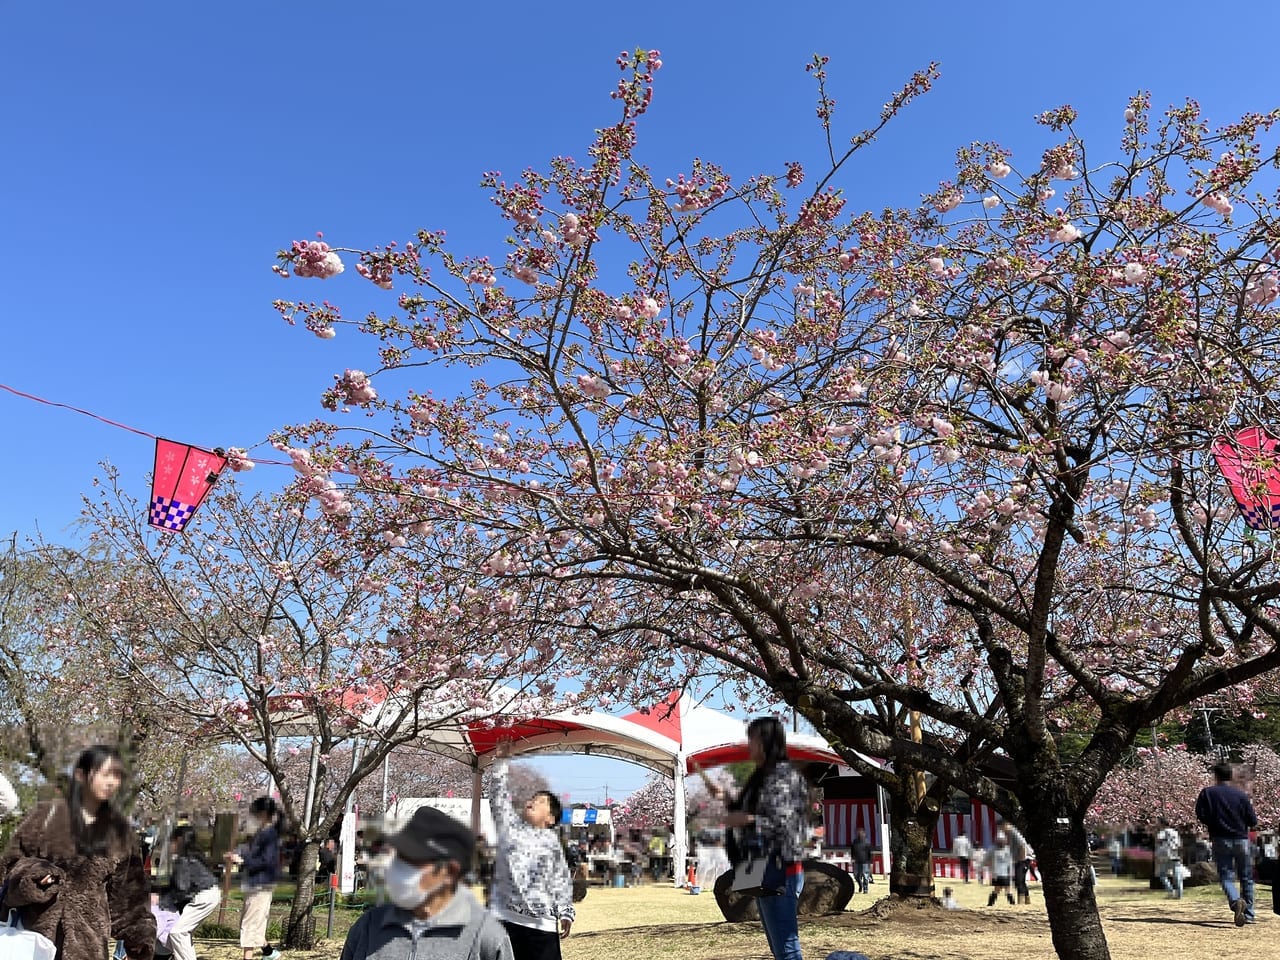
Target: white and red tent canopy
[{"x": 671, "y": 737}]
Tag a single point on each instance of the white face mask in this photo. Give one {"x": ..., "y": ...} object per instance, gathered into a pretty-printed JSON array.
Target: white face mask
[{"x": 404, "y": 885}]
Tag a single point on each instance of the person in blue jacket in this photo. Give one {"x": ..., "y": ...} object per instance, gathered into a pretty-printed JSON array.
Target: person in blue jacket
[{"x": 259, "y": 862}]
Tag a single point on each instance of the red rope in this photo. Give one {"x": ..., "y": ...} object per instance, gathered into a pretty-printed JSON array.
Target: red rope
[
  {"x": 101, "y": 419},
  {"x": 727, "y": 496},
  {"x": 67, "y": 406}
]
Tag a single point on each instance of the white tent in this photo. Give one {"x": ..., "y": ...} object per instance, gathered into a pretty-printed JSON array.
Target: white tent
[
  {"x": 668, "y": 737},
  {"x": 457, "y": 807}
]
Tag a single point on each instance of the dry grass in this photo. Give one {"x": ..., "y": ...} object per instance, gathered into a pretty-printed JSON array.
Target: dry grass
[{"x": 658, "y": 922}]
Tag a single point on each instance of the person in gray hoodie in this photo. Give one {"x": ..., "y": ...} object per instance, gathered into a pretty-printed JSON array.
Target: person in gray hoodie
[{"x": 430, "y": 917}]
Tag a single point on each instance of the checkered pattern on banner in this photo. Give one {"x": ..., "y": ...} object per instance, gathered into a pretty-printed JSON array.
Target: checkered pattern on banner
[
  {"x": 1258, "y": 517},
  {"x": 170, "y": 514}
]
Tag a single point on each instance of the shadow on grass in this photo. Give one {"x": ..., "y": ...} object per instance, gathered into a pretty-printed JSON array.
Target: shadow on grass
[{"x": 1210, "y": 924}]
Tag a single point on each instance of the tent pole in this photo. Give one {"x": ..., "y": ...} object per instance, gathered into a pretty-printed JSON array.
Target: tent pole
[
  {"x": 308, "y": 802},
  {"x": 680, "y": 828},
  {"x": 477, "y": 785},
  {"x": 882, "y": 814}
]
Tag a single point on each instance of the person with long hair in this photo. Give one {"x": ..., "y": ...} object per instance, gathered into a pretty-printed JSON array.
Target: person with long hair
[
  {"x": 73, "y": 868},
  {"x": 771, "y": 806},
  {"x": 193, "y": 891},
  {"x": 260, "y": 869}
]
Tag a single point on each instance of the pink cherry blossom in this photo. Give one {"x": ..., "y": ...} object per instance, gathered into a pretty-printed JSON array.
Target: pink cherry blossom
[
  {"x": 313, "y": 258},
  {"x": 1134, "y": 273},
  {"x": 355, "y": 388},
  {"x": 948, "y": 202},
  {"x": 238, "y": 460},
  {"x": 1218, "y": 202},
  {"x": 991, "y": 202},
  {"x": 1067, "y": 233}
]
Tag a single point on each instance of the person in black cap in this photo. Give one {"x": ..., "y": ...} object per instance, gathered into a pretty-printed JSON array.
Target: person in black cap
[{"x": 430, "y": 917}]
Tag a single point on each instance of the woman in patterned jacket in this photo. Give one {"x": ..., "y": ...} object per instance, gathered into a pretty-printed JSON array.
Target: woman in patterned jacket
[{"x": 773, "y": 804}]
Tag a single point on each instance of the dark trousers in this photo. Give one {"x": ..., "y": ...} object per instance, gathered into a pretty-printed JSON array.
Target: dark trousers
[
  {"x": 530, "y": 944},
  {"x": 1020, "y": 878},
  {"x": 964, "y": 868}
]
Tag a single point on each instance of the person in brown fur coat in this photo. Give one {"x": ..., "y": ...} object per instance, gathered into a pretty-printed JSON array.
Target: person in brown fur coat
[{"x": 73, "y": 869}]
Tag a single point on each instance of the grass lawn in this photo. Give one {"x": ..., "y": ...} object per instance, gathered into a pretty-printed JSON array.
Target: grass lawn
[{"x": 652, "y": 922}]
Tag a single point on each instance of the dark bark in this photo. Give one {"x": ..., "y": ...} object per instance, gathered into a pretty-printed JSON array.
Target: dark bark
[
  {"x": 300, "y": 929},
  {"x": 1055, "y": 829},
  {"x": 910, "y": 841}
]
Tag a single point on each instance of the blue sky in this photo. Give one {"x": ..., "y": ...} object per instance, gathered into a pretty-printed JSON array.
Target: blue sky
[{"x": 158, "y": 154}]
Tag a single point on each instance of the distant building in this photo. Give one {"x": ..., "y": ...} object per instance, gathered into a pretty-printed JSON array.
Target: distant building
[{"x": 457, "y": 807}]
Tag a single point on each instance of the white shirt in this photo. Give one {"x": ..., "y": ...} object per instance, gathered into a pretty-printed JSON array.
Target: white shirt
[{"x": 8, "y": 798}]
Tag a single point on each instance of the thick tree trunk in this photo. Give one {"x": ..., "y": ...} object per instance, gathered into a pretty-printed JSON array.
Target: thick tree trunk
[
  {"x": 911, "y": 843},
  {"x": 1061, "y": 844},
  {"x": 300, "y": 931}
]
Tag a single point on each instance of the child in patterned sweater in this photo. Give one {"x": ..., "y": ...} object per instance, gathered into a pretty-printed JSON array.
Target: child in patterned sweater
[{"x": 532, "y": 889}]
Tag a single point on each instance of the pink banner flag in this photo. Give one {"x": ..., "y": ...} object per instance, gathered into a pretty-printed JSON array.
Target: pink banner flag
[
  {"x": 182, "y": 478},
  {"x": 1251, "y": 467}
]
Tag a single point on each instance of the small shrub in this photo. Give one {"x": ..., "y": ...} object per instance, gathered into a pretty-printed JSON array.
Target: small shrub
[{"x": 212, "y": 930}]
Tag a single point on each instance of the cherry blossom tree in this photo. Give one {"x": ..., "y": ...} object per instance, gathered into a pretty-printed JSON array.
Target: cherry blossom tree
[
  {"x": 709, "y": 417},
  {"x": 57, "y": 693},
  {"x": 1259, "y": 774},
  {"x": 1156, "y": 783},
  {"x": 650, "y": 807},
  {"x": 269, "y": 629},
  {"x": 1166, "y": 782}
]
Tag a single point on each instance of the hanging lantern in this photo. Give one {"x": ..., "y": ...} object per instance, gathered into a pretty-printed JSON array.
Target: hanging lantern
[
  {"x": 1250, "y": 462},
  {"x": 180, "y": 482}
]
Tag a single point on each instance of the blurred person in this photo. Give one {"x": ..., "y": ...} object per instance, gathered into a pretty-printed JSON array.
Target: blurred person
[
  {"x": 326, "y": 861},
  {"x": 774, "y": 803},
  {"x": 1000, "y": 863},
  {"x": 193, "y": 891},
  {"x": 1115, "y": 850},
  {"x": 1228, "y": 813},
  {"x": 73, "y": 868},
  {"x": 8, "y": 798},
  {"x": 949, "y": 899},
  {"x": 860, "y": 853},
  {"x": 1021, "y": 852},
  {"x": 532, "y": 890},
  {"x": 657, "y": 848},
  {"x": 259, "y": 862},
  {"x": 962, "y": 850},
  {"x": 430, "y": 916},
  {"x": 1168, "y": 858}
]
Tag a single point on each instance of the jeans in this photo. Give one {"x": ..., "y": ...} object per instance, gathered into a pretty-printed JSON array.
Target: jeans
[
  {"x": 1233, "y": 860},
  {"x": 1170, "y": 873},
  {"x": 862, "y": 875},
  {"x": 781, "y": 926}
]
